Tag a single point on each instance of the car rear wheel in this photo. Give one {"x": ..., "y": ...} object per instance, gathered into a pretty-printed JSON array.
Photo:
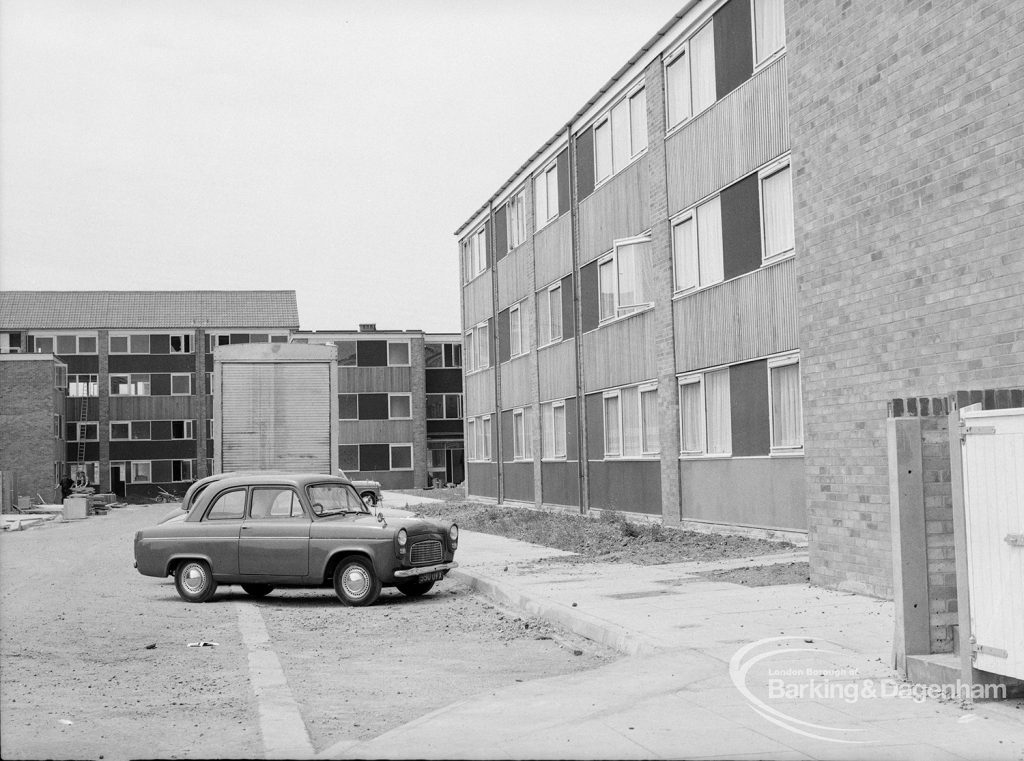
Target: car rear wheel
[
  {"x": 415, "y": 588},
  {"x": 194, "y": 581},
  {"x": 370, "y": 498},
  {"x": 257, "y": 590},
  {"x": 355, "y": 583}
]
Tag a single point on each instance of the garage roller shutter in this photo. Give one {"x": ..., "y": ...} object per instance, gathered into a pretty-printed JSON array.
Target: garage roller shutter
[{"x": 276, "y": 416}]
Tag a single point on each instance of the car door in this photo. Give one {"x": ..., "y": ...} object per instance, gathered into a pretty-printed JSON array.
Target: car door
[
  {"x": 274, "y": 540},
  {"x": 216, "y": 535}
]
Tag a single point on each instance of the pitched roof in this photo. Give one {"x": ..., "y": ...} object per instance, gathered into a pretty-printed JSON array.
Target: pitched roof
[{"x": 37, "y": 310}]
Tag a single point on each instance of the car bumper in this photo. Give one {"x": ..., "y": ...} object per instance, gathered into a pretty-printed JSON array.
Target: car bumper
[{"x": 405, "y": 573}]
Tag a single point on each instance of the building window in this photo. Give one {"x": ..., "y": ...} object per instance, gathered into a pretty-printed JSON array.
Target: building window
[
  {"x": 470, "y": 438},
  {"x": 130, "y": 385},
  {"x": 697, "y": 246},
  {"x": 183, "y": 429},
  {"x": 181, "y": 470},
  {"x": 58, "y": 425},
  {"x": 786, "y": 414},
  {"x": 10, "y": 343},
  {"x": 399, "y": 406},
  {"x": 470, "y": 355},
  {"x": 142, "y": 472},
  {"x": 552, "y": 430},
  {"x": 130, "y": 430},
  {"x": 625, "y": 279},
  {"x": 401, "y": 456},
  {"x": 705, "y": 419},
  {"x": 690, "y": 77},
  {"x": 777, "y": 211},
  {"x": 347, "y": 353},
  {"x": 60, "y": 376},
  {"x": 181, "y": 384},
  {"x": 56, "y": 344},
  {"x": 515, "y": 329},
  {"x": 478, "y": 438},
  {"x": 90, "y": 470},
  {"x": 474, "y": 253},
  {"x": 769, "y": 29},
  {"x": 443, "y": 355},
  {"x": 83, "y": 431},
  {"x": 549, "y": 315},
  {"x": 83, "y": 385},
  {"x": 484, "y": 432},
  {"x": 516, "y": 233},
  {"x": 478, "y": 343},
  {"x": 522, "y": 434},
  {"x": 181, "y": 343},
  {"x": 631, "y": 421},
  {"x": 545, "y": 195},
  {"x": 620, "y": 135},
  {"x": 444, "y": 406},
  {"x": 398, "y": 353}
]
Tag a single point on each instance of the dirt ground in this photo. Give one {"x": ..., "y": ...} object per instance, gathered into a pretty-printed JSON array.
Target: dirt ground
[{"x": 94, "y": 663}]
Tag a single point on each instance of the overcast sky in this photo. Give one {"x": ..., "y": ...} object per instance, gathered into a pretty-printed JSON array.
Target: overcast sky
[{"x": 330, "y": 147}]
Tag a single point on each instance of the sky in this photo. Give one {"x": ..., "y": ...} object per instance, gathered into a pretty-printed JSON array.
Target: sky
[{"x": 329, "y": 147}]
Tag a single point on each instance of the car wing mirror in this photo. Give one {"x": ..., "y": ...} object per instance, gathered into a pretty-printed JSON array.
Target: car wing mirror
[{"x": 380, "y": 519}]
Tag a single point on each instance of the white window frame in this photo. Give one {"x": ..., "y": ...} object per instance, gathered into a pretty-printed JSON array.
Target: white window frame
[
  {"x": 134, "y": 381},
  {"x": 764, "y": 57},
  {"x": 482, "y": 345},
  {"x": 391, "y": 457},
  {"x": 644, "y": 451},
  {"x": 391, "y": 415},
  {"x": 408, "y": 354},
  {"x": 612, "y": 120},
  {"x": 609, "y": 454},
  {"x": 515, "y": 331},
  {"x": 470, "y": 439},
  {"x": 682, "y": 54},
  {"x": 84, "y": 426},
  {"x": 188, "y": 465},
  {"x": 515, "y": 230},
  {"x": 53, "y": 336},
  {"x": 187, "y": 346},
  {"x": 698, "y": 380},
  {"x": 131, "y": 429},
  {"x": 522, "y": 434},
  {"x": 614, "y": 259},
  {"x": 188, "y": 377},
  {"x": 485, "y": 434},
  {"x": 765, "y": 173},
  {"x": 705, "y": 240},
  {"x": 90, "y": 384},
  {"x": 60, "y": 376},
  {"x": 188, "y": 430},
  {"x": 135, "y": 468},
  {"x": 621, "y": 454},
  {"x": 775, "y": 363},
  {"x": 474, "y": 253},
  {"x": 546, "y": 314},
  {"x": 543, "y": 182}
]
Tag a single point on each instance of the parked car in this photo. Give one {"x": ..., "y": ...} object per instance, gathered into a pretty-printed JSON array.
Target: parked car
[
  {"x": 368, "y": 490},
  {"x": 300, "y": 530}
]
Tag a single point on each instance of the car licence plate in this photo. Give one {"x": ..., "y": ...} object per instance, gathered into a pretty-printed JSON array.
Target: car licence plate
[{"x": 432, "y": 576}]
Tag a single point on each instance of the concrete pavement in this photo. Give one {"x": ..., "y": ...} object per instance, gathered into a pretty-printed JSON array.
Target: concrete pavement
[{"x": 715, "y": 670}]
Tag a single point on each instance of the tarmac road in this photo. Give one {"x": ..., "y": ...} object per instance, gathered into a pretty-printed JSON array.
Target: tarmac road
[{"x": 94, "y": 663}]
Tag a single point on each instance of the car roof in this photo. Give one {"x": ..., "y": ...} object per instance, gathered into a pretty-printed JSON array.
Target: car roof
[{"x": 284, "y": 477}]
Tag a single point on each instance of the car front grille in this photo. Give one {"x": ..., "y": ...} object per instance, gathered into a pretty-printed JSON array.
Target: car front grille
[{"x": 426, "y": 552}]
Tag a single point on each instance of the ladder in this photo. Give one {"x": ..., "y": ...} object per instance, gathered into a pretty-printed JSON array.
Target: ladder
[{"x": 83, "y": 417}]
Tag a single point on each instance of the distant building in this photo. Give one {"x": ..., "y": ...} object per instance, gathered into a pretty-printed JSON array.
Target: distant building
[
  {"x": 400, "y": 405},
  {"x": 139, "y": 366},
  {"x": 33, "y": 389}
]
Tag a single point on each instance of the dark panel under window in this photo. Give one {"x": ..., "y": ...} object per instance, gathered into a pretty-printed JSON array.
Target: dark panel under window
[
  {"x": 440, "y": 381},
  {"x": 239, "y": 338},
  {"x": 568, "y": 313},
  {"x": 374, "y": 457},
  {"x": 348, "y": 457},
  {"x": 585, "y": 163},
  {"x": 501, "y": 233},
  {"x": 159, "y": 343},
  {"x": 590, "y": 298},
  {"x": 748, "y": 387},
  {"x": 507, "y": 443},
  {"x": 595, "y": 427},
  {"x": 373, "y": 406},
  {"x": 160, "y": 384},
  {"x": 444, "y": 428},
  {"x": 161, "y": 430},
  {"x": 741, "y": 227},
  {"x": 372, "y": 353},
  {"x": 734, "y": 50},
  {"x": 348, "y": 406},
  {"x": 563, "y": 181},
  {"x": 505, "y": 340},
  {"x": 162, "y": 472}
]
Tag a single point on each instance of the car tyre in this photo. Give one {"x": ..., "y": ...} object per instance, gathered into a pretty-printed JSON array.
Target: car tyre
[
  {"x": 414, "y": 588},
  {"x": 257, "y": 590},
  {"x": 370, "y": 498},
  {"x": 194, "y": 581},
  {"x": 355, "y": 583}
]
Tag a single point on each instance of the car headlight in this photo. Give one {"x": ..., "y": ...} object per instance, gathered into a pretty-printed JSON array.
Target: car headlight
[
  {"x": 403, "y": 537},
  {"x": 453, "y": 533}
]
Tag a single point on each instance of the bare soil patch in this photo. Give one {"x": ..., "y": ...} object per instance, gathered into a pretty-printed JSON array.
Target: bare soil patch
[
  {"x": 797, "y": 572},
  {"x": 609, "y": 539}
]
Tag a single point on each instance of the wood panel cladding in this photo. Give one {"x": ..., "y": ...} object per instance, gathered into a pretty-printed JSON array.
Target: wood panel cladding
[
  {"x": 479, "y": 399},
  {"x": 376, "y": 431},
  {"x": 356, "y": 380},
  {"x": 477, "y": 300},
  {"x": 516, "y": 388},
  {"x": 552, "y": 248},
  {"x": 620, "y": 352},
  {"x": 556, "y": 366},
  {"x": 515, "y": 277},
  {"x": 153, "y": 407},
  {"x": 618, "y": 209}
]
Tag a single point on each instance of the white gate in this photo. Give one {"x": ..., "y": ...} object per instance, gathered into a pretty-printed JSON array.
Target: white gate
[{"x": 993, "y": 479}]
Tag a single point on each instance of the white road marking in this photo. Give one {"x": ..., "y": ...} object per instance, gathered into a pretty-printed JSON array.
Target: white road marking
[{"x": 281, "y": 726}]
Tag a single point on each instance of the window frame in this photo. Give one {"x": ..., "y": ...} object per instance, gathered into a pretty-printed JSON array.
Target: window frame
[
  {"x": 179, "y": 376},
  {"x": 474, "y": 248},
  {"x": 616, "y": 393},
  {"x": 703, "y": 255},
  {"x": 188, "y": 430},
  {"x": 613, "y": 258},
  {"x": 683, "y": 51},
  {"x": 515, "y": 229},
  {"x": 135, "y": 467},
  {"x": 774, "y": 363},
  {"x": 761, "y": 61},
  {"x": 92, "y": 384},
  {"x": 625, "y": 100},
  {"x": 406, "y": 396},
  {"x": 545, "y": 302},
  {"x": 191, "y": 467},
  {"x": 408, "y": 353},
  {"x": 515, "y": 330},
  {"x": 522, "y": 434},
  {"x": 132, "y": 383},
  {"x": 188, "y": 346},
  {"x": 763, "y": 174},
  {"x": 699, "y": 379},
  {"x": 543, "y": 220}
]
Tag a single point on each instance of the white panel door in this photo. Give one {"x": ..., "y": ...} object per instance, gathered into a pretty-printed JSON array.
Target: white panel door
[{"x": 993, "y": 468}]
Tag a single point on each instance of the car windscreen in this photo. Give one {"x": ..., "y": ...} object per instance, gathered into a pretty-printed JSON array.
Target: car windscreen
[{"x": 334, "y": 499}]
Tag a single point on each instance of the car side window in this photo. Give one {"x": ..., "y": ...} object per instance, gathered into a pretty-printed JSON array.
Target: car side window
[
  {"x": 275, "y": 502},
  {"x": 227, "y": 506}
]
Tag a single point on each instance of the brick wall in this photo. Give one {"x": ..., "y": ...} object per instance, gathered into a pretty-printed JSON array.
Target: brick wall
[
  {"x": 28, "y": 401},
  {"x": 909, "y": 207}
]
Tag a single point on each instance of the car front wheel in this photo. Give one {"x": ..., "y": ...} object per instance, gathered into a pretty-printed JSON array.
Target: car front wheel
[
  {"x": 415, "y": 588},
  {"x": 355, "y": 583},
  {"x": 257, "y": 590},
  {"x": 194, "y": 581}
]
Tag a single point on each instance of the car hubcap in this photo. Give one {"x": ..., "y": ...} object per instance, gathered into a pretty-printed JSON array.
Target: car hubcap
[
  {"x": 355, "y": 582},
  {"x": 193, "y": 579}
]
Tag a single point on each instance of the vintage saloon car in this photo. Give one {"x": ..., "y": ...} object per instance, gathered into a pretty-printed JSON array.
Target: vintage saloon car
[{"x": 266, "y": 531}]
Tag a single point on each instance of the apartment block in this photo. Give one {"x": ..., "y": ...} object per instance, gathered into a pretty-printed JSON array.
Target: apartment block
[
  {"x": 33, "y": 389},
  {"x": 138, "y": 414},
  {"x": 399, "y": 405},
  {"x": 629, "y": 294}
]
